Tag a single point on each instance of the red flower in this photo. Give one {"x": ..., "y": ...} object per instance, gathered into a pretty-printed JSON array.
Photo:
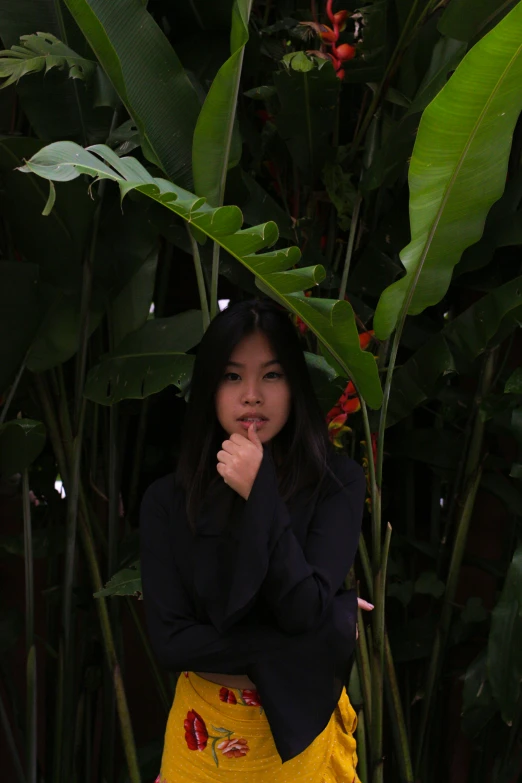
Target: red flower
[
  {"x": 344, "y": 52},
  {"x": 196, "y": 734},
  {"x": 234, "y": 747},
  {"x": 251, "y": 698},
  {"x": 228, "y": 696}
]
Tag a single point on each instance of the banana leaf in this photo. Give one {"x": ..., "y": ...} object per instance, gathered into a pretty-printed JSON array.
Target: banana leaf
[
  {"x": 147, "y": 360},
  {"x": 454, "y": 349},
  {"x": 464, "y": 19},
  {"x": 504, "y": 658},
  {"x": 56, "y": 106},
  {"x": 458, "y": 169},
  {"x": 18, "y": 316},
  {"x": 21, "y": 442},
  {"x": 213, "y": 136},
  {"x": 147, "y": 75},
  {"x": 331, "y": 320}
]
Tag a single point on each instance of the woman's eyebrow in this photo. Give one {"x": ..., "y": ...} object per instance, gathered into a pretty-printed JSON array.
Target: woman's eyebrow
[{"x": 266, "y": 364}]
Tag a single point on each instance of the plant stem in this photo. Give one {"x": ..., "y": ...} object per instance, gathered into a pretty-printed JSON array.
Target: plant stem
[
  {"x": 200, "y": 279},
  {"x": 473, "y": 475},
  {"x": 162, "y": 691},
  {"x": 31, "y": 726},
  {"x": 384, "y": 81},
  {"x": 377, "y": 662},
  {"x": 214, "y": 306},
  {"x": 12, "y": 391},
  {"x": 362, "y": 750},
  {"x": 88, "y": 545},
  {"x": 11, "y": 744},
  {"x": 363, "y": 665},
  {"x": 349, "y": 249},
  {"x": 28, "y": 558},
  {"x": 402, "y": 748}
]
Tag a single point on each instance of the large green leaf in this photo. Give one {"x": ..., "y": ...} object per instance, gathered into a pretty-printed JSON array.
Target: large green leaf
[
  {"x": 131, "y": 307},
  {"x": 464, "y": 19},
  {"x": 505, "y": 642},
  {"x": 57, "y": 107},
  {"x": 214, "y": 129},
  {"x": 454, "y": 349},
  {"x": 125, "y": 241},
  {"x": 18, "y": 316},
  {"x": 447, "y": 54},
  {"x": 332, "y": 321},
  {"x": 42, "y": 52},
  {"x": 56, "y": 243},
  {"x": 21, "y": 441},
  {"x": 148, "y": 77},
  {"x": 148, "y": 360},
  {"x": 308, "y": 92},
  {"x": 458, "y": 169}
]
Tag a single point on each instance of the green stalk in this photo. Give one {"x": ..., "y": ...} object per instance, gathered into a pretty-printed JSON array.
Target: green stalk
[
  {"x": 110, "y": 651},
  {"x": 374, "y": 490},
  {"x": 11, "y": 744},
  {"x": 473, "y": 475},
  {"x": 384, "y": 81},
  {"x": 377, "y": 663},
  {"x": 64, "y": 38},
  {"x": 366, "y": 565},
  {"x": 137, "y": 459},
  {"x": 200, "y": 280},
  {"x": 58, "y": 720},
  {"x": 166, "y": 701},
  {"x": 31, "y": 727},
  {"x": 88, "y": 544},
  {"x": 363, "y": 665},
  {"x": 12, "y": 391},
  {"x": 349, "y": 249},
  {"x": 29, "y": 563},
  {"x": 441, "y": 636},
  {"x": 214, "y": 307},
  {"x": 402, "y": 747},
  {"x": 362, "y": 750}
]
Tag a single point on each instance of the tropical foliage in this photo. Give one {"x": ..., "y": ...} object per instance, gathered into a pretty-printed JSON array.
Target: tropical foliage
[{"x": 359, "y": 163}]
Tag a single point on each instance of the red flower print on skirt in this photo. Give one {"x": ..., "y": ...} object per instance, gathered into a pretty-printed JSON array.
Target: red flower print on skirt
[
  {"x": 227, "y": 696},
  {"x": 196, "y": 734},
  {"x": 251, "y": 698},
  {"x": 234, "y": 747}
]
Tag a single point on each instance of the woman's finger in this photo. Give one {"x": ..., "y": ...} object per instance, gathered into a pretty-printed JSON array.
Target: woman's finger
[{"x": 365, "y": 605}]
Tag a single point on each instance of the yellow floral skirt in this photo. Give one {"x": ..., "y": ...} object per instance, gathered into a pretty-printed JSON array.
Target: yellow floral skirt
[{"x": 222, "y": 734}]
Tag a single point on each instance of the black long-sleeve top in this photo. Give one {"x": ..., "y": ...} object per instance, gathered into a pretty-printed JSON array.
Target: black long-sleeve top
[{"x": 258, "y": 589}]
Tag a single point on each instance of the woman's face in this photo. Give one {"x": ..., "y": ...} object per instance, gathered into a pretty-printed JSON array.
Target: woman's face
[{"x": 253, "y": 386}]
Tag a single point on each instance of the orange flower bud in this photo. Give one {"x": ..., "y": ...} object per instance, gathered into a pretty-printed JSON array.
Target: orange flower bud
[
  {"x": 340, "y": 18},
  {"x": 345, "y": 52},
  {"x": 329, "y": 36}
]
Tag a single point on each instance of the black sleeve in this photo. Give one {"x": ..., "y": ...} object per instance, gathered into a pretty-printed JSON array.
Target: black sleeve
[
  {"x": 259, "y": 554},
  {"x": 301, "y": 581},
  {"x": 178, "y": 638}
]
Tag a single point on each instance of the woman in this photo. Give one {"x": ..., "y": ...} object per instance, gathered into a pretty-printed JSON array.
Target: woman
[{"x": 244, "y": 554}]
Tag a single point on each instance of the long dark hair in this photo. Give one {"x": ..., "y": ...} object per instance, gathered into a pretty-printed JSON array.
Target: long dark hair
[{"x": 300, "y": 449}]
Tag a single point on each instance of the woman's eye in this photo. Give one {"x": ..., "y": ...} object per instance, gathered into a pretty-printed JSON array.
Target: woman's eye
[
  {"x": 228, "y": 374},
  {"x": 277, "y": 374}
]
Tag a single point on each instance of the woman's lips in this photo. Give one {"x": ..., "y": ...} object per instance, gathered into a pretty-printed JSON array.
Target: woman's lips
[{"x": 259, "y": 424}]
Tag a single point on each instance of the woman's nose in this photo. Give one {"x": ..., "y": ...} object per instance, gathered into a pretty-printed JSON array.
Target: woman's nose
[{"x": 251, "y": 395}]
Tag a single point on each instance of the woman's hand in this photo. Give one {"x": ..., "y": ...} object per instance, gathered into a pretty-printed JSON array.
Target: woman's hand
[
  {"x": 367, "y": 607},
  {"x": 239, "y": 460}
]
